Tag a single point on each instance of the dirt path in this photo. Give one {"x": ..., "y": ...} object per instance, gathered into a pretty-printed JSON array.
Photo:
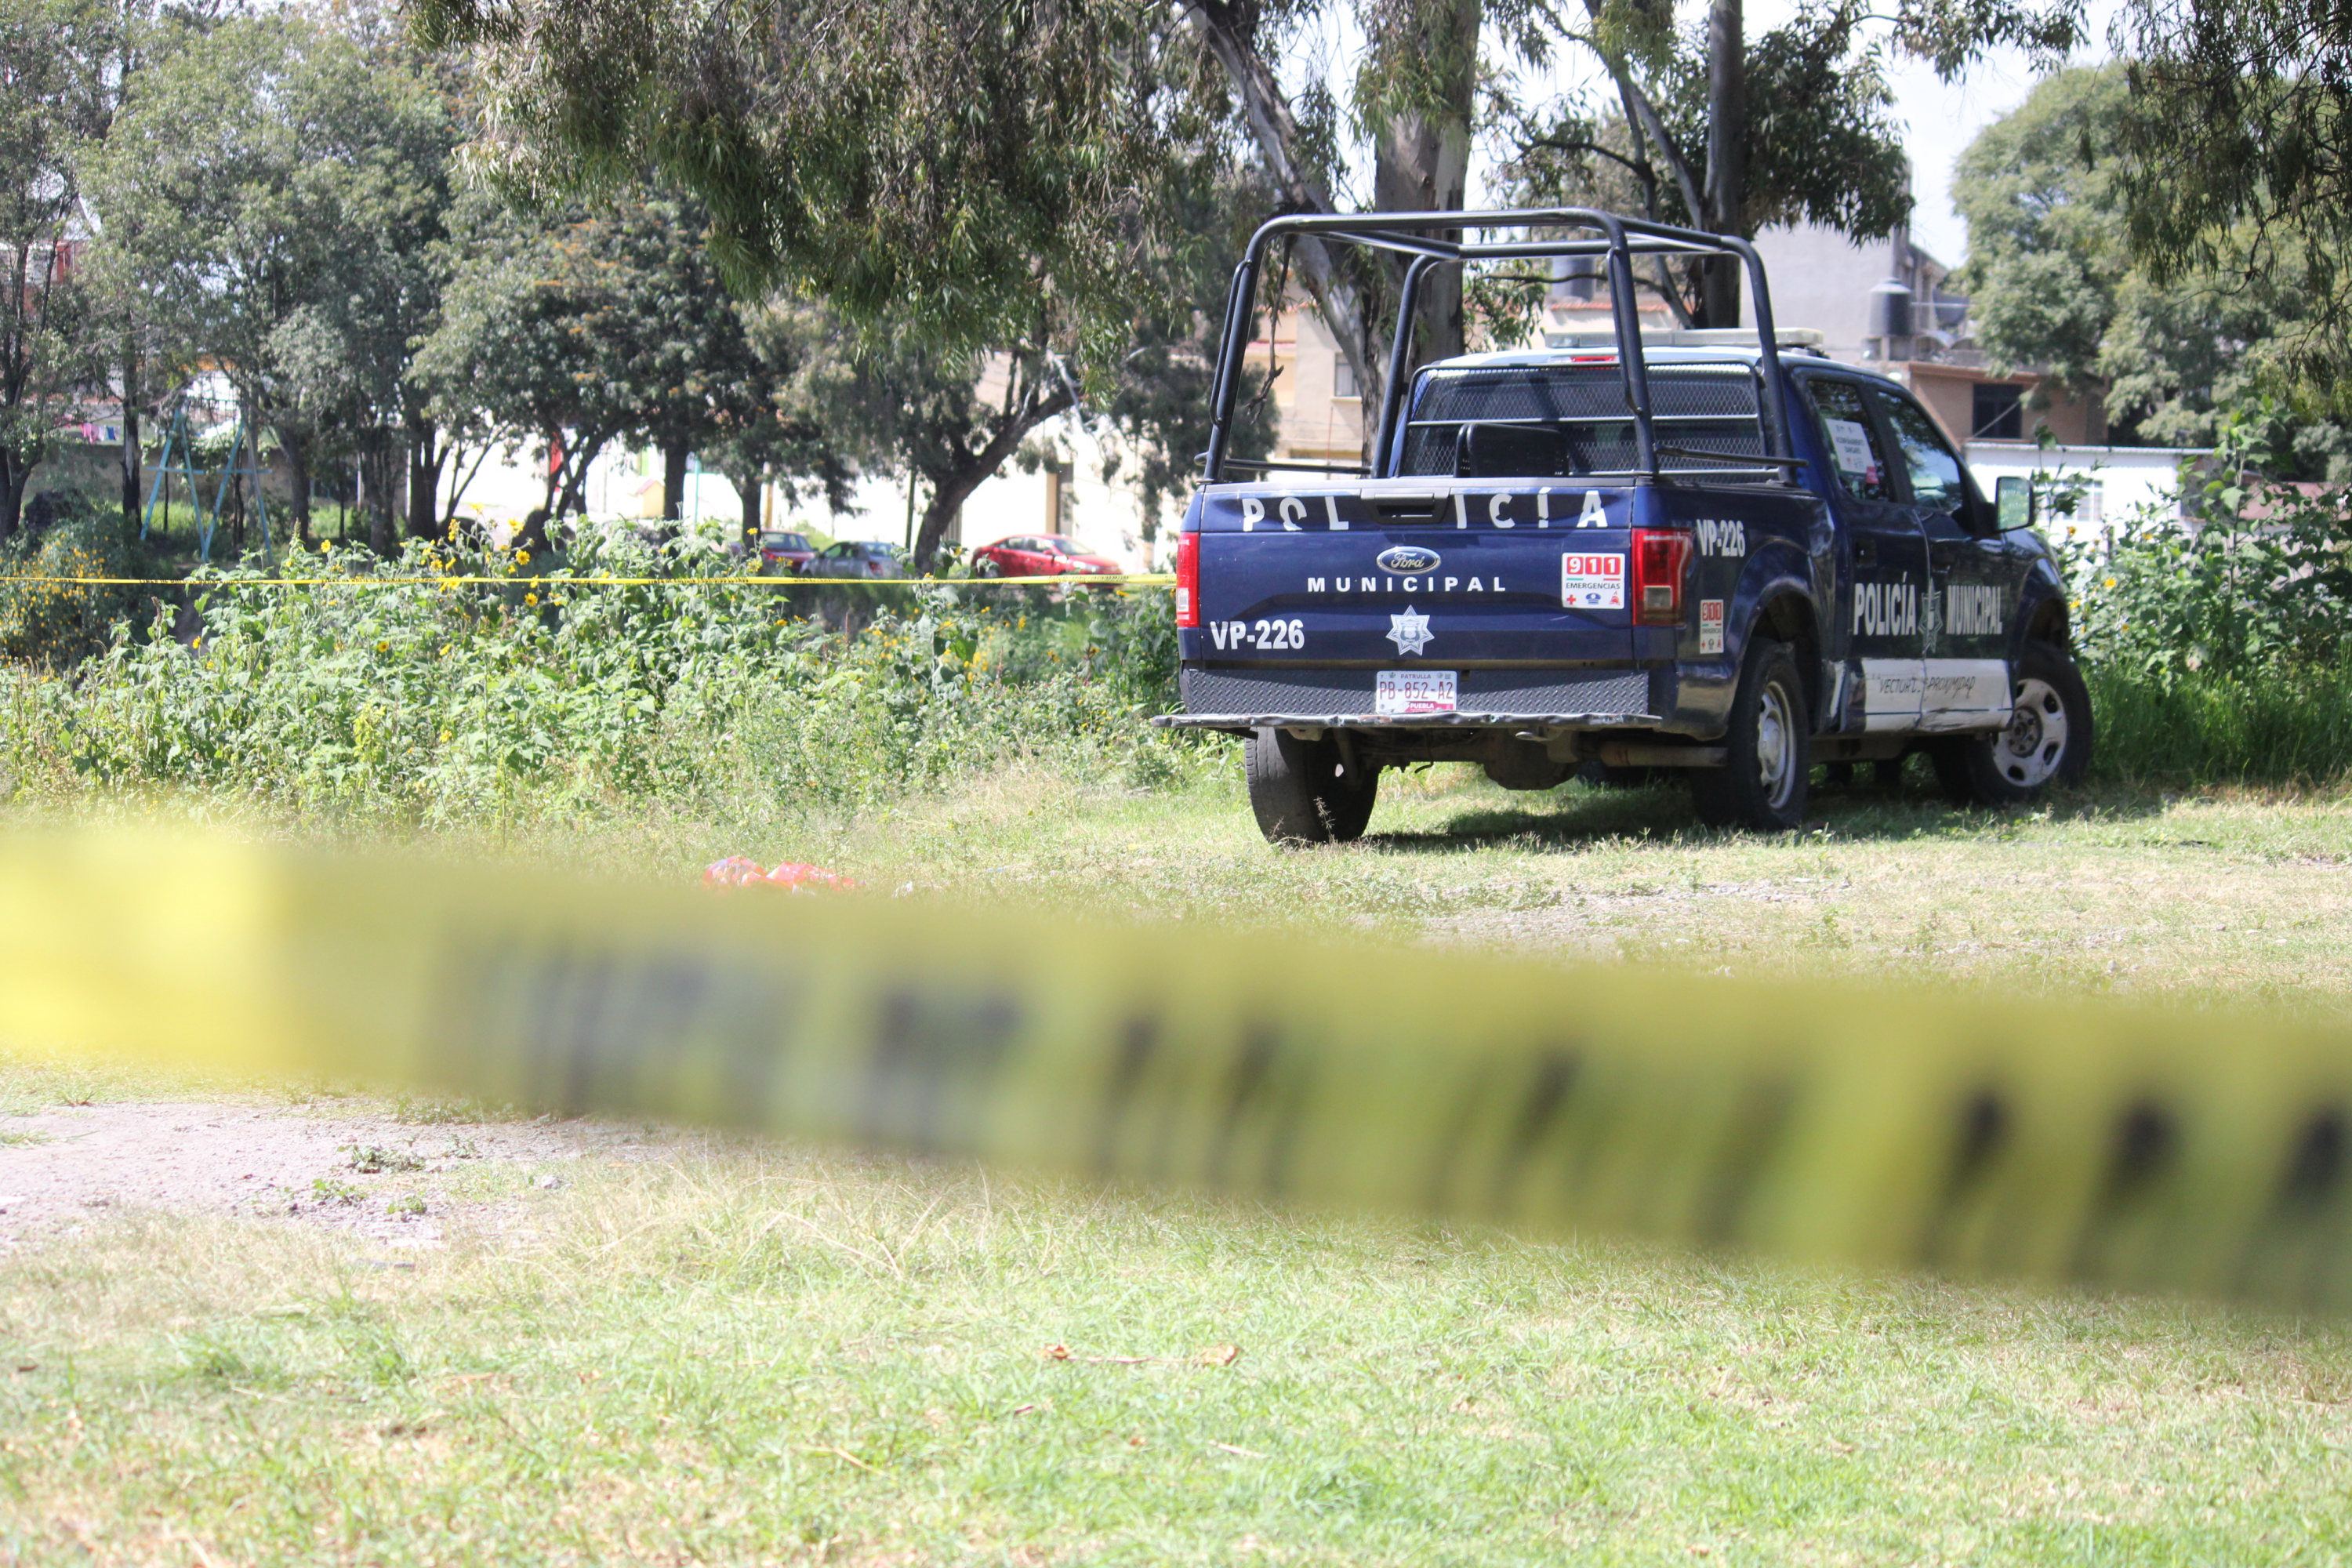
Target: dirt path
[{"x": 362, "y": 1171}]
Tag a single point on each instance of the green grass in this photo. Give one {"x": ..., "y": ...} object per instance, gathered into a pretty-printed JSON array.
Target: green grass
[
  {"x": 2288, "y": 726},
  {"x": 755, "y": 1354},
  {"x": 747, "y": 1352}
]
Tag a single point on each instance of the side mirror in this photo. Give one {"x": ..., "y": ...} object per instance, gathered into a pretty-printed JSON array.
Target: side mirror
[{"x": 2013, "y": 502}]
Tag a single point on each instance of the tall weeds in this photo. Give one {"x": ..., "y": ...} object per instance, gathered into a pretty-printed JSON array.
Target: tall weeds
[
  {"x": 2219, "y": 650},
  {"x": 555, "y": 689}
]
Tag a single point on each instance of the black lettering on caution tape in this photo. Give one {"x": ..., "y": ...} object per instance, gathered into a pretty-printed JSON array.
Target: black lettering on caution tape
[
  {"x": 934, "y": 1055},
  {"x": 598, "y": 1029}
]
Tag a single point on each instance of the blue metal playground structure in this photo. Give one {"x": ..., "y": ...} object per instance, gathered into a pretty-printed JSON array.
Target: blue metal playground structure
[{"x": 179, "y": 457}]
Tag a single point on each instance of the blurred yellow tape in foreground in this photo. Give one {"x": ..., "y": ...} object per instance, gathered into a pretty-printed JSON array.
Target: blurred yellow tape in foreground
[{"x": 2098, "y": 1144}]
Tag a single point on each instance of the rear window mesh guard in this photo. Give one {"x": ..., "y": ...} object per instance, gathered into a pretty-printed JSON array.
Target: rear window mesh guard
[
  {"x": 1694, "y": 408},
  {"x": 1665, "y": 436}
]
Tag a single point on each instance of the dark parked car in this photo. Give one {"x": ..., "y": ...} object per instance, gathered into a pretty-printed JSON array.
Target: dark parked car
[
  {"x": 1038, "y": 555},
  {"x": 791, "y": 551},
  {"x": 859, "y": 558}
]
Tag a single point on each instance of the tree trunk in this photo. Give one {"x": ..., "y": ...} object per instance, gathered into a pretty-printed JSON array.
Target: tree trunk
[
  {"x": 260, "y": 501},
  {"x": 1228, "y": 30},
  {"x": 461, "y": 479},
  {"x": 13, "y": 475},
  {"x": 131, "y": 475},
  {"x": 673, "y": 482},
  {"x": 425, "y": 458},
  {"x": 747, "y": 485},
  {"x": 554, "y": 465},
  {"x": 948, "y": 492},
  {"x": 574, "y": 497},
  {"x": 376, "y": 503},
  {"x": 1727, "y": 176},
  {"x": 967, "y": 469},
  {"x": 297, "y": 468},
  {"x": 1422, "y": 162}
]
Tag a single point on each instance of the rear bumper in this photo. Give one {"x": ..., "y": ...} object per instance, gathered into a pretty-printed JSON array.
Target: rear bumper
[{"x": 1250, "y": 698}]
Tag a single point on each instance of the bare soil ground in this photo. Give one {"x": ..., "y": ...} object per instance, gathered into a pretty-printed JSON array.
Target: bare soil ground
[{"x": 356, "y": 1169}]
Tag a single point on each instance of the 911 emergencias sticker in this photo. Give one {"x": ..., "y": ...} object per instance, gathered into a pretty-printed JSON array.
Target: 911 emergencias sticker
[
  {"x": 1592, "y": 582},
  {"x": 1710, "y": 626}
]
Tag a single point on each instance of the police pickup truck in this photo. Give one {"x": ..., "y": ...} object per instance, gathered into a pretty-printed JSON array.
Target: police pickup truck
[{"x": 1718, "y": 557}]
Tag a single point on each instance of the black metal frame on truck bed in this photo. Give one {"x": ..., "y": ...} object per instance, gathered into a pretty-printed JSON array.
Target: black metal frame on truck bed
[{"x": 1423, "y": 238}]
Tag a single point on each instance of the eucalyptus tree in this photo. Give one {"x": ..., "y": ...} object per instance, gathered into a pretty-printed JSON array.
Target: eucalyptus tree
[{"x": 946, "y": 162}]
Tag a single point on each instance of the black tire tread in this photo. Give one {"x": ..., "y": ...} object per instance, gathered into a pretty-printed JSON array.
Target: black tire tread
[{"x": 1732, "y": 795}]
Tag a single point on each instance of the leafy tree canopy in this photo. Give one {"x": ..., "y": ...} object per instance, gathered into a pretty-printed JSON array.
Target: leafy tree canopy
[
  {"x": 273, "y": 196},
  {"x": 945, "y": 161},
  {"x": 2237, "y": 163},
  {"x": 2055, "y": 282}
]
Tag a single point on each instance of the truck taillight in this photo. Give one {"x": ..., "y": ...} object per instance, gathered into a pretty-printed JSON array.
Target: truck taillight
[
  {"x": 1188, "y": 579},
  {"x": 1661, "y": 558}
]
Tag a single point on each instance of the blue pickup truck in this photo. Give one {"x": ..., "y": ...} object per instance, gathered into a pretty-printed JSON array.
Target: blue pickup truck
[{"x": 1723, "y": 556}]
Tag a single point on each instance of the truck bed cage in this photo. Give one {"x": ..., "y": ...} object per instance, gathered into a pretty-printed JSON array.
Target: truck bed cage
[{"x": 1434, "y": 239}]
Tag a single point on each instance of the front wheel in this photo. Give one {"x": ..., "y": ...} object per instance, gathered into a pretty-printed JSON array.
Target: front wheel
[
  {"x": 1302, "y": 792},
  {"x": 1767, "y": 761},
  {"x": 2047, "y": 739}
]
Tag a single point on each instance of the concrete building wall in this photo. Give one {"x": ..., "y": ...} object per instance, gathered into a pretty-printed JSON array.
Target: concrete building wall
[{"x": 2120, "y": 483}]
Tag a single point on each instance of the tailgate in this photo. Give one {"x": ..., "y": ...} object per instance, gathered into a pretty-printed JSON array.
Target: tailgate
[{"x": 1414, "y": 571}]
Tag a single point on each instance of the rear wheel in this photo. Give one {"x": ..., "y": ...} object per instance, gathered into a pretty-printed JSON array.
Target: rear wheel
[
  {"x": 2047, "y": 739},
  {"x": 1302, "y": 792},
  {"x": 1767, "y": 763}
]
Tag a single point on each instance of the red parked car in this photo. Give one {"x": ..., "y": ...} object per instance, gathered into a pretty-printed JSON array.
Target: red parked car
[
  {"x": 1038, "y": 555},
  {"x": 793, "y": 552}
]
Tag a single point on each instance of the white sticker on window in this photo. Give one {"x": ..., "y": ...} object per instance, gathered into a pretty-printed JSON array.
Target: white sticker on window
[{"x": 1853, "y": 444}]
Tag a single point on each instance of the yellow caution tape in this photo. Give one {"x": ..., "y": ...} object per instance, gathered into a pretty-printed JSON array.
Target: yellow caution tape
[
  {"x": 2101, "y": 1145},
  {"x": 1088, "y": 580}
]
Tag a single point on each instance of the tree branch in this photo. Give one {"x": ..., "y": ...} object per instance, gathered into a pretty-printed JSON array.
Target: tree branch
[
  {"x": 1639, "y": 170},
  {"x": 1279, "y": 137}
]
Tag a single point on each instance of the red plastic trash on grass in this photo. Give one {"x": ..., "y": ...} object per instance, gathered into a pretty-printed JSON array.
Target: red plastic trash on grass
[{"x": 792, "y": 876}]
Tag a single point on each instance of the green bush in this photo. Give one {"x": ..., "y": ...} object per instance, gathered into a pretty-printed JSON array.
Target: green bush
[
  {"x": 2221, "y": 650},
  {"x": 54, "y": 624},
  {"x": 434, "y": 701}
]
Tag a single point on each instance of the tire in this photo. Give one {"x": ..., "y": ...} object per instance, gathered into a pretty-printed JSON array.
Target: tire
[
  {"x": 2047, "y": 741},
  {"x": 987, "y": 568},
  {"x": 1299, "y": 790},
  {"x": 1768, "y": 766}
]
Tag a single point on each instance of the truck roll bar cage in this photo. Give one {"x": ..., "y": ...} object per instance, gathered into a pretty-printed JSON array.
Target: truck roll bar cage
[{"x": 1423, "y": 238}]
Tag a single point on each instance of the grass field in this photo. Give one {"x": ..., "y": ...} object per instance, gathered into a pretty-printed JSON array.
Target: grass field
[{"x": 744, "y": 1352}]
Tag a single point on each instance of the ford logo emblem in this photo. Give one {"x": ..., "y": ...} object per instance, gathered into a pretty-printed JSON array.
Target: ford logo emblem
[{"x": 1408, "y": 560}]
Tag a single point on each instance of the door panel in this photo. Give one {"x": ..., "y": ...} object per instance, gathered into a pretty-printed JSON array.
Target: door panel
[
  {"x": 1881, "y": 607},
  {"x": 1972, "y": 578}
]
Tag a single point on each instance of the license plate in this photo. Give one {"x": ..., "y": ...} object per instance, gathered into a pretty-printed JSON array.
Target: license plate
[{"x": 1410, "y": 693}]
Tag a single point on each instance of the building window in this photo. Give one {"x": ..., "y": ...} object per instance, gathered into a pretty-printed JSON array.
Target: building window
[
  {"x": 1998, "y": 413},
  {"x": 1343, "y": 378}
]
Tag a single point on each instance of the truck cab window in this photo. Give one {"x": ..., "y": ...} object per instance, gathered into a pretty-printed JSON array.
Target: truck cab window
[
  {"x": 1934, "y": 472},
  {"x": 1852, "y": 437}
]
